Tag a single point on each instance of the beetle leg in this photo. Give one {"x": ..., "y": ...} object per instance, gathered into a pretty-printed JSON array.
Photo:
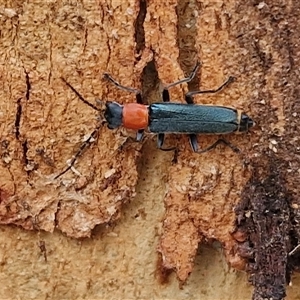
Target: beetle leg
[
  {"x": 139, "y": 135},
  {"x": 137, "y": 92},
  {"x": 160, "y": 142},
  {"x": 165, "y": 93},
  {"x": 194, "y": 145},
  {"x": 189, "y": 96}
]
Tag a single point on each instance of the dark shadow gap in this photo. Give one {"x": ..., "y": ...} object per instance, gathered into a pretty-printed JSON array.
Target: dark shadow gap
[{"x": 139, "y": 29}]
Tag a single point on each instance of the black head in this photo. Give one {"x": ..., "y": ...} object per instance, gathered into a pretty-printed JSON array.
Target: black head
[
  {"x": 245, "y": 123},
  {"x": 113, "y": 114}
]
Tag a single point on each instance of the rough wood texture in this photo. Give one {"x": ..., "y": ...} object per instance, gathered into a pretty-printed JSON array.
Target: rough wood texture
[
  {"x": 43, "y": 123},
  {"x": 248, "y": 202}
]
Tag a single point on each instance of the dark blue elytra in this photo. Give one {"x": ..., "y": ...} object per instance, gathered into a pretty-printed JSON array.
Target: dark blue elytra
[{"x": 173, "y": 117}]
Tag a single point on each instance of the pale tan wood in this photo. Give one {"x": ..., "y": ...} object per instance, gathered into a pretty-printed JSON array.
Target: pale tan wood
[{"x": 143, "y": 201}]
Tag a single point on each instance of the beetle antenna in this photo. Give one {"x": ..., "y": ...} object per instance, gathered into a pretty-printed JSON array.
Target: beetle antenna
[
  {"x": 83, "y": 146},
  {"x": 92, "y": 136},
  {"x": 79, "y": 95}
]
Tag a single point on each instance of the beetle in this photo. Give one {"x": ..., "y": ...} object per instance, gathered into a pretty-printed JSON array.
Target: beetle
[{"x": 170, "y": 117}]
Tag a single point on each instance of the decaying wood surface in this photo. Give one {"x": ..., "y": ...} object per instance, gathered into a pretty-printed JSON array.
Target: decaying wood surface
[{"x": 154, "y": 209}]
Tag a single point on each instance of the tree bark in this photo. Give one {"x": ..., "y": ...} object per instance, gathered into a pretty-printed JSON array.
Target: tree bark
[{"x": 148, "y": 212}]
